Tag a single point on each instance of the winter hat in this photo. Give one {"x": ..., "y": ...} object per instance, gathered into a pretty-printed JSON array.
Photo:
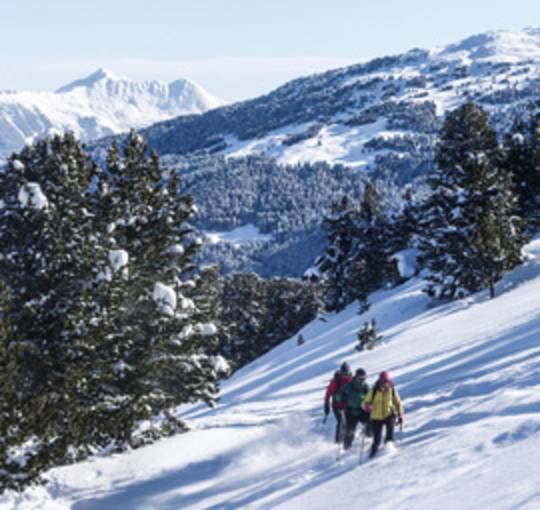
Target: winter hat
[
  {"x": 360, "y": 373},
  {"x": 385, "y": 377},
  {"x": 345, "y": 368}
]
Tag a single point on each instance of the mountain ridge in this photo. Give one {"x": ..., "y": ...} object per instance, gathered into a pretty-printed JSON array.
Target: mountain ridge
[
  {"x": 331, "y": 116},
  {"x": 97, "y": 105},
  {"x": 378, "y": 119}
]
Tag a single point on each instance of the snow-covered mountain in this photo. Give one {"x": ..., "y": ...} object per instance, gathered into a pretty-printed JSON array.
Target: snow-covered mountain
[
  {"x": 96, "y": 106},
  {"x": 380, "y": 118},
  {"x": 469, "y": 376},
  {"x": 381, "y": 115}
]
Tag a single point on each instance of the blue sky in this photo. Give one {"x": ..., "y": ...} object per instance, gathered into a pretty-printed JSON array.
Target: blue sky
[{"x": 234, "y": 48}]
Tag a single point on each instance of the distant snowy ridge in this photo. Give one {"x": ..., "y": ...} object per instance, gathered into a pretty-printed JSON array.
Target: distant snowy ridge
[
  {"x": 96, "y": 106},
  {"x": 381, "y": 114}
]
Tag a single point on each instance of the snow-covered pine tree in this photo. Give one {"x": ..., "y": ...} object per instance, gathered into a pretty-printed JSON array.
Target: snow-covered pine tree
[
  {"x": 368, "y": 267},
  {"x": 8, "y": 400},
  {"x": 290, "y": 304},
  {"x": 469, "y": 235},
  {"x": 522, "y": 160},
  {"x": 241, "y": 314},
  {"x": 339, "y": 227},
  {"x": 405, "y": 226},
  {"x": 257, "y": 314},
  {"x": 205, "y": 291},
  {"x": 160, "y": 359},
  {"x": 50, "y": 253}
]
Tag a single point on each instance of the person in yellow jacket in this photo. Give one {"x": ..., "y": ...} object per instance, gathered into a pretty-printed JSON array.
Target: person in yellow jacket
[{"x": 384, "y": 405}]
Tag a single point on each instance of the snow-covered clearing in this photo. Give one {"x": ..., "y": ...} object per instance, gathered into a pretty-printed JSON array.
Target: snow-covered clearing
[
  {"x": 238, "y": 236},
  {"x": 469, "y": 375}
]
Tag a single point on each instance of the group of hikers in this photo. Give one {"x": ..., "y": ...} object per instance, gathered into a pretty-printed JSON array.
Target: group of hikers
[{"x": 353, "y": 401}]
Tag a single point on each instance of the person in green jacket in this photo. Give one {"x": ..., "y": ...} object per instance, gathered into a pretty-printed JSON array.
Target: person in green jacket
[{"x": 353, "y": 395}]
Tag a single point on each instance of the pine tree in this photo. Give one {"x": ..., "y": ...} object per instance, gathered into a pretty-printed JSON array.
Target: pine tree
[
  {"x": 522, "y": 160},
  {"x": 405, "y": 226},
  {"x": 50, "y": 255},
  {"x": 469, "y": 233},
  {"x": 99, "y": 323},
  {"x": 159, "y": 347},
  {"x": 339, "y": 226},
  {"x": 258, "y": 314},
  {"x": 369, "y": 265},
  {"x": 241, "y": 317}
]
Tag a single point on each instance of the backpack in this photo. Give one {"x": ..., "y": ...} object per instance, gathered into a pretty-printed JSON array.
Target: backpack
[{"x": 339, "y": 385}]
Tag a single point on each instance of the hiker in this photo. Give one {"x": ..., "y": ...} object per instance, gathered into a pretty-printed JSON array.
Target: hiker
[
  {"x": 341, "y": 377},
  {"x": 384, "y": 405},
  {"x": 353, "y": 395}
]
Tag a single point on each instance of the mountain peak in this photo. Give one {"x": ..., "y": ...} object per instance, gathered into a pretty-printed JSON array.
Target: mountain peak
[
  {"x": 104, "y": 74},
  {"x": 501, "y": 45},
  {"x": 101, "y": 74}
]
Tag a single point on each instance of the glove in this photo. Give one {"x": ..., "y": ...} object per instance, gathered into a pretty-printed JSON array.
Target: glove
[
  {"x": 400, "y": 419},
  {"x": 368, "y": 408},
  {"x": 326, "y": 409}
]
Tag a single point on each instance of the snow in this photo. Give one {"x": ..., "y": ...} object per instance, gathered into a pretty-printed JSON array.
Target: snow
[
  {"x": 518, "y": 138},
  {"x": 335, "y": 144},
  {"x": 98, "y": 105},
  {"x": 121, "y": 366},
  {"x": 312, "y": 272},
  {"x": 221, "y": 365},
  {"x": 238, "y": 236},
  {"x": 31, "y": 195},
  {"x": 497, "y": 61},
  {"x": 207, "y": 329},
  {"x": 406, "y": 262},
  {"x": 118, "y": 259},
  {"x": 468, "y": 373},
  {"x": 18, "y": 165},
  {"x": 176, "y": 249},
  {"x": 165, "y": 298},
  {"x": 186, "y": 303}
]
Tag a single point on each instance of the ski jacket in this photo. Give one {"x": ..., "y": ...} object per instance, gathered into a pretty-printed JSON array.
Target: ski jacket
[
  {"x": 384, "y": 404},
  {"x": 353, "y": 396},
  {"x": 332, "y": 391}
]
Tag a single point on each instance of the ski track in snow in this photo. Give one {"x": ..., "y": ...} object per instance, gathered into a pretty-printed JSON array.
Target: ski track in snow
[{"x": 468, "y": 373}]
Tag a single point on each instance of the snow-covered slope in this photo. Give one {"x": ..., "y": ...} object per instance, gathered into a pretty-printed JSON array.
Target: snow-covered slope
[
  {"x": 469, "y": 375},
  {"x": 96, "y": 106}
]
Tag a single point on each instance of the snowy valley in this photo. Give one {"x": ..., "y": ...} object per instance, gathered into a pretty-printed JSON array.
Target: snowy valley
[{"x": 468, "y": 373}]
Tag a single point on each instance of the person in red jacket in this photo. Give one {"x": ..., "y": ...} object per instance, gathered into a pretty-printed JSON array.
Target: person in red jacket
[{"x": 341, "y": 377}]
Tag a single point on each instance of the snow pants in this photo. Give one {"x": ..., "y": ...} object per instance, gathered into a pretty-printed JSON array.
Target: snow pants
[
  {"x": 340, "y": 424},
  {"x": 377, "y": 426},
  {"x": 352, "y": 421}
]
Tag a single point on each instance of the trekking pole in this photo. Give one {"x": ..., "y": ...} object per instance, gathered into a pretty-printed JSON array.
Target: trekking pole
[{"x": 401, "y": 432}]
